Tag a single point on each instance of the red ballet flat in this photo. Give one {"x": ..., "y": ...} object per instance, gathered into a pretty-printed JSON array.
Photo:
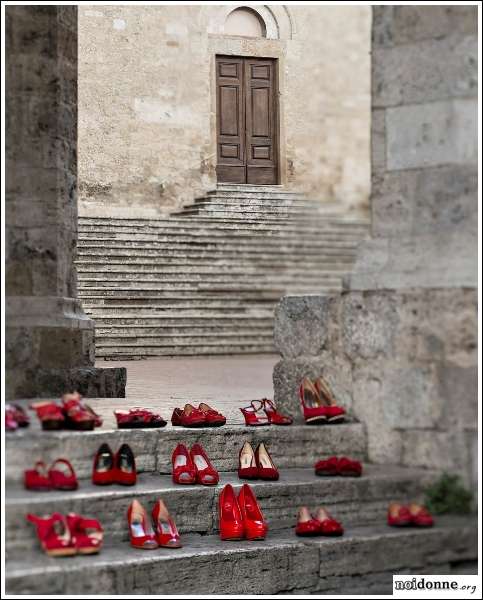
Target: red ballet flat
[
  {"x": 37, "y": 478},
  {"x": 141, "y": 534},
  {"x": 255, "y": 525},
  {"x": 49, "y": 414},
  {"x": 327, "y": 525},
  {"x": 54, "y": 534},
  {"x": 398, "y": 515},
  {"x": 420, "y": 516},
  {"x": 328, "y": 467},
  {"x": 212, "y": 417},
  {"x": 265, "y": 465},
  {"x": 335, "y": 414},
  {"x": 103, "y": 471},
  {"x": 184, "y": 471},
  {"x": 167, "y": 534},
  {"x": 77, "y": 417},
  {"x": 188, "y": 417},
  {"x": 62, "y": 478},
  {"x": 125, "y": 466},
  {"x": 87, "y": 533},
  {"x": 254, "y": 414},
  {"x": 247, "y": 463},
  {"x": 138, "y": 418},
  {"x": 313, "y": 409},
  {"x": 349, "y": 468},
  {"x": 306, "y": 526},
  {"x": 206, "y": 474},
  {"x": 231, "y": 521},
  {"x": 275, "y": 417}
]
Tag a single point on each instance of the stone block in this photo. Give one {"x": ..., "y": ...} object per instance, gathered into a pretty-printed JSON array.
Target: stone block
[
  {"x": 378, "y": 142},
  {"x": 431, "y": 134}
]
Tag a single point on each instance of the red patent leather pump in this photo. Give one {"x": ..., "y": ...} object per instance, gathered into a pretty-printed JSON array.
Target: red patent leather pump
[
  {"x": 165, "y": 528},
  {"x": 328, "y": 525},
  {"x": 212, "y": 417},
  {"x": 313, "y": 409},
  {"x": 255, "y": 526},
  {"x": 275, "y": 417},
  {"x": 184, "y": 470},
  {"x": 125, "y": 466},
  {"x": 141, "y": 533},
  {"x": 87, "y": 533},
  {"x": 398, "y": 515},
  {"x": 306, "y": 526},
  {"x": 265, "y": 465},
  {"x": 103, "y": 471},
  {"x": 206, "y": 474},
  {"x": 254, "y": 414},
  {"x": 247, "y": 463},
  {"x": 62, "y": 475},
  {"x": 54, "y": 534},
  {"x": 335, "y": 414},
  {"x": 230, "y": 517}
]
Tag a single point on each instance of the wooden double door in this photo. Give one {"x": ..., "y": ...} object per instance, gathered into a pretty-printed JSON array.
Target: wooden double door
[{"x": 247, "y": 120}]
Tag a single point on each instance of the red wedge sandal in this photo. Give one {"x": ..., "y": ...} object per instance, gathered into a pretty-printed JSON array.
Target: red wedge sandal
[
  {"x": 87, "y": 533},
  {"x": 54, "y": 534},
  {"x": 49, "y": 414}
]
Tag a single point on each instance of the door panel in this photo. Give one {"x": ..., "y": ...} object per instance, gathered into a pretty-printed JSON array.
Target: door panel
[{"x": 246, "y": 120}]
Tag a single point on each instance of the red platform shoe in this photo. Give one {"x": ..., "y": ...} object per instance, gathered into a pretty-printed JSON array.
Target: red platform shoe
[
  {"x": 77, "y": 416},
  {"x": 37, "y": 478},
  {"x": 398, "y": 515},
  {"x": 266, "y": 468},
  {"x": 254, "y": 414},
  {"x": 275, "y": 417},
  {"x": 306, "y": 526},
  {"x": 247, "y": 463},
  {"x": 62, "y": 475},
  {"x": 54, "y": 534},
  {"x": 255, "y": 525},
  {"x": 206, "y": 474},
  {"x": 125, "y": 466},
  {"x": 138, "y": 418},
  {"x": 212, "y": 417},
  {"x": 335, "y": 414},
  {"x": 420, "y": 516},
  {"x": 49, "y": 414},
  {"x": 165, "y": 528},
  {"x": 87, "y": 533},
  {"x": 313, "y": 409},
  {"x": 141, "y": 534},
  {"x": 184, "y": 471},
  {"x": 103, "y": 471},
  {"x": 230, "y": 517},
  {"x": 188, "y": 417}
]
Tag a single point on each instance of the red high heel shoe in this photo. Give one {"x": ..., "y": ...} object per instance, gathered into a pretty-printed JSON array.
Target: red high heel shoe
[
  {"x": 313, "y": 408},
  {"x": 254, "y": 414},
  {"x": 266, "y": 468},
  {"x": 275, "y": 417},
  {"x": 335, "y": 414},
  {"x": 141, "y": 534},
  {"x": 184, "y": 470},
  {"x": 328, "y": 525},
  {"x": 54, "y": 534},
  {"x": 77, "y": 417},
  {"x": 212, "y": 417},
  {"x": 103, "y": 471},
  {"x": 255, "y": 525},
  {"x": 188, "y": 417},
  {"x": 87, "y": 533},
  {"x": 398, "y": 515},
  {"x": 165, "y": 528},
  {"x": 230, "y": 517},
  {"x": 125, "y": 466},
  {"x": 137, "y": 418},
  {"x": 206, "y": 474},
  {"x": 306, "y": 526},
  {"x": 247, "y": 463},
  {"x": 63, "y": 479},
  {"x": 49, "y": 414},
  {"x": 37, "y": 478}
]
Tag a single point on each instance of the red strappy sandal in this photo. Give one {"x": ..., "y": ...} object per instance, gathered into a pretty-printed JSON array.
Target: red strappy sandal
[
  {"x": 184, "y": 471},
  {"x": 247, "y": 463},
  {"x": 49, "y": 414},
  {"x": 167, "y": 534},
  {"x": 59, "y": 478},
  {"x": 54, "y": 534},
  {"x": 77, "y": 416},
  {"x": 188, "y": 417},
  {"x": 265, "y": 465},
  {"x": 255, "y": 525},
  {"x": 254, "y": 414},
  {"x": 398, "y": 515},
  {"x": 206, "y": 474},
  {"x": 125, "y": 466},
  {"x": 138, "y": 418},
  {"x": 88, "y": 533},
  {"x": 37, "y": 478},
  {"x": 141, "y": 533},
  {"x": 275, "y": 417},
  {"x": 212, "y": 417}
]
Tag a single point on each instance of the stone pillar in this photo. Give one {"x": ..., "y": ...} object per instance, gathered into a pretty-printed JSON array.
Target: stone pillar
[
  {"x": 399, "y": 346},
  {"x": 50, "y": 340}
]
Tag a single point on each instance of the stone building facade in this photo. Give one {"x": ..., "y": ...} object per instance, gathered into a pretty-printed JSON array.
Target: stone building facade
[{"x": 147, "y": 107}]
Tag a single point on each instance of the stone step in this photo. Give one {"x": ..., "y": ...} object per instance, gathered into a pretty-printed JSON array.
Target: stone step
[
  {"x": 362, "y": 561},
  {"x": 225, "y": 304},
  {"x": 220, "y": 290},
  {"x": 126, "y": 352},
  {"x": 354, "y": 501},
  {"x": 249, "y": 215},
  {"x": 216, "y": 282},
  {"x": 159, "y": 339},
  {"x": 254, "y": 201},
  {"x": 206, "y": 274},
  {"x": 251, "y": 295},
  {"x": 187, "y": 319}
]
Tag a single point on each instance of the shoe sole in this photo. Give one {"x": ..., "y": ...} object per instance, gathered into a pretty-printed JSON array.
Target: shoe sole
[
  {"x": 87, "y": 551},
  {"x": 62, "y": 552},
  {"x": 313, "y": 420},
  {"x": 140, "y": 426}
]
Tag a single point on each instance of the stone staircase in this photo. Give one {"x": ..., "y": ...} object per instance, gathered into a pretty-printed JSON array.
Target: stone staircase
[
  {"x": 206, "y": 280},
  {"x": 362, "y": 561}
]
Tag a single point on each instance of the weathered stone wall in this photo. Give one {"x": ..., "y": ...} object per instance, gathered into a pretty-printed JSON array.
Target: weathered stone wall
[
  {"x": 399, "y": 346},
  {"x": 147, "y": 107}
]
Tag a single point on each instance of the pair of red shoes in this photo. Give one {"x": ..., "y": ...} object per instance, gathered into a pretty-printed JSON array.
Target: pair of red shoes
[
  {"x": 343, "y": 466},
  {"x": 114, "y": 468},
  {"x": 318, "y": 403},
  {"x": 138, "y": 418},
  {"x": 72, "y": 414},
  {"x": 68, "y": 535},
  {"x": 256, "y": 464},
  {"x": 203, "y": 416},
  {"x": 15, "y": 417},
  {"x": 240, "y": 518},
  {"x": 264, "y": 412},
  {"x": 399, "y": 515},
  {"x": 321, "y": 523},
  {"x": 148, "y": 534},
  {"x": 60, "y": 476},
  {"x": 193, "y": 466}
]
